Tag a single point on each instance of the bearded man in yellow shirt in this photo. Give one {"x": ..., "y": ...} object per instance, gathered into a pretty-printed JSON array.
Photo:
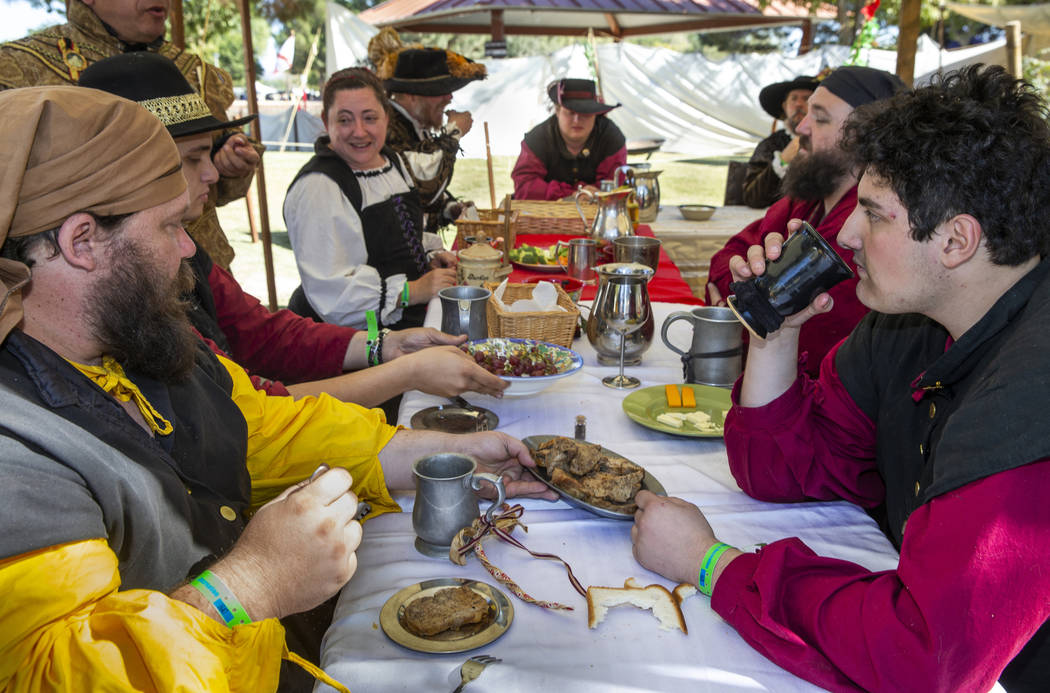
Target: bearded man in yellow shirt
[{"x": 132, "y": 457}]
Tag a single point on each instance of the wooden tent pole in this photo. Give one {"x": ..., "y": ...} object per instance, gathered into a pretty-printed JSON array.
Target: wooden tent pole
[
  {"x": 907, "y": 40},
  {"x": 178, "y": 27},
  {"x": 1013, "y": 49},
  {"x": 260, "y": 176}
]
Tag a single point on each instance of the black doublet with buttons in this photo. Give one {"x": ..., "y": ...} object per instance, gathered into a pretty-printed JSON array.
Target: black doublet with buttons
[
  {"x": 547, "y": 144},
  {"x": 945, "y": 415},
  {"x": 184, "y": 500}
]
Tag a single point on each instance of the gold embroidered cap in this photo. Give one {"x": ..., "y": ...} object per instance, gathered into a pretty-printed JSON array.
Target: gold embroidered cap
[{"x": 156, "y": 84}]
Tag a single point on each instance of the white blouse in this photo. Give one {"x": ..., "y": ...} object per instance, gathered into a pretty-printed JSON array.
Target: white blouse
[{"x": 329, "y": 245}]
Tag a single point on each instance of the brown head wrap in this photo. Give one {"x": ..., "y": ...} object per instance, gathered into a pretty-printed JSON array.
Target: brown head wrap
[{"x": 70, "y": 149}]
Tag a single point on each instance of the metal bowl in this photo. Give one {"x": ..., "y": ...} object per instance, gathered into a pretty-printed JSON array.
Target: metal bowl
[{"x": 697, "y": 212}]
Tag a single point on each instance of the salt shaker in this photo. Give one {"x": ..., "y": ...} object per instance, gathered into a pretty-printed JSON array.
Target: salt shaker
[{"x": 581, "y": 427}]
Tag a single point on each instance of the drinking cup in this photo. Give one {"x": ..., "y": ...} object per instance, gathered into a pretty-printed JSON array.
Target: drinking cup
[
  {"x": 715, "y": 354},
  {"x": 644, "y": 250},
  {"x": 583, "y": 256},
  {"x": 807, "y": 267},
  {"x": 445, "y": 501},
  {"x": 463, "y": 311}
]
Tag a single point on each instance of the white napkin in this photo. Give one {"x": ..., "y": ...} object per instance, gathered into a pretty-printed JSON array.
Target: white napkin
[{"x": 544, "y": 300}]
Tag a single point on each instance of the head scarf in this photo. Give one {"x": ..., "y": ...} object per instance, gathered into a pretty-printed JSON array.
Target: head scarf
[
  {"x": 69, "y": 149},
  {"x": 860, "y": 85}
]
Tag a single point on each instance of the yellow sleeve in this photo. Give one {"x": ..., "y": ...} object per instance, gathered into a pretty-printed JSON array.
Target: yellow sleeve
[
  {"x": 64, "y": 626},
  {"x": 288, "y": 438}
]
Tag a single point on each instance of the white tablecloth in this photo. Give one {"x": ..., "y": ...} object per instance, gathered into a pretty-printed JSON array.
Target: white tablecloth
[{"x": 555, "y": 651}]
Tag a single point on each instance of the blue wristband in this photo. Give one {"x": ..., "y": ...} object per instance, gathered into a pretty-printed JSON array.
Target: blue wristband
[
  {"x": 707, "y": 567},
  {"x": 219, "y": 596}
]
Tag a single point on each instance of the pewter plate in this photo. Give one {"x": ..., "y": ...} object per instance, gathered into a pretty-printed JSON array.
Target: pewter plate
[
  {"x": 497, "y": 621},
  {"x": 649, "y": 482},
  {"x": 450, "y": 418}
]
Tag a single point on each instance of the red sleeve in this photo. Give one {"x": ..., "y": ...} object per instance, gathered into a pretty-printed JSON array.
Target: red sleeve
[
  {"x": 607, "y": 166},
  {"x": 530, "y": 179},
  {"x": 281, "y": 345},
  {"x": 811, "y": 443},
  {"x": 969, "y": 591},
  {"x": 270, "y": 387}
]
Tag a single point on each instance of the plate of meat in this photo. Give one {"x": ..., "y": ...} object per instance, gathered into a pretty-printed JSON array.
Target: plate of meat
[
  {"x": 446, "y": 615},
  {"x": 590, "y": 476}
]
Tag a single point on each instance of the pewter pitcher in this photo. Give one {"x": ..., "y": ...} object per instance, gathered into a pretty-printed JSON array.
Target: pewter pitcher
[
  {"x": 646, "y": 190},
  {"x": 613, "y": 279},
  {"x": 445, "y": 501},
  {"x": 611, "y": 219}
]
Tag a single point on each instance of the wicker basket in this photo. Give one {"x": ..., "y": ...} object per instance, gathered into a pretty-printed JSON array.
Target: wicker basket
[
  {"x": 539, "y": 216},
  {"x": 551, "y": 326},
  {"x": 490, "y": 226}
]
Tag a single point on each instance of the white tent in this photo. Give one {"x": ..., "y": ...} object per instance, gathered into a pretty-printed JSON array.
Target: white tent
[{"x": 699, "y": 107}]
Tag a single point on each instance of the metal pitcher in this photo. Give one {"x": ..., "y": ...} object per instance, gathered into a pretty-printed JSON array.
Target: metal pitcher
[
  {"x": 646, "y": 189},
  {"x": 612, "y": 219},
  {"x": 605, "y": 340}
]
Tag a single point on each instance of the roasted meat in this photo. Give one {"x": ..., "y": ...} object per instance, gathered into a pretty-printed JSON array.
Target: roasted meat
[{"x": 446, "y": 609}]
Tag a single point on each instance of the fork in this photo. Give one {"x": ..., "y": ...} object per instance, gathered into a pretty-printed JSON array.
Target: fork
[
  {"x": 472, "y": 669},
  {"x": 481, "y": 419}
]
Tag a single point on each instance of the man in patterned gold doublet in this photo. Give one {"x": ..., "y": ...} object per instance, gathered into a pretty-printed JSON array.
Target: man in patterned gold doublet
[{"x": 100, "y": 28}]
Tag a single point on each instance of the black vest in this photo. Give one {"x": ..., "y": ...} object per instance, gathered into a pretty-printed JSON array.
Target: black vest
[
  {"x": 200, "y": 466},
  {"x": 945, "y": 418},
  {"x": 546, "y": 143},
  {"x": 201, "y": 309},
  {"x": 393, "y": 229}
]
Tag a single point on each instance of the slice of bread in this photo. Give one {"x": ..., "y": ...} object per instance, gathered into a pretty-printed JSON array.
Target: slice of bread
[{"x": 664, "y": 605}]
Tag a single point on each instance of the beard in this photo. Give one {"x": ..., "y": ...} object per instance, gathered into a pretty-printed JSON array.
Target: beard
[
  {"x": 142, "y": 321},
  {"x": 816, "y": 175}
]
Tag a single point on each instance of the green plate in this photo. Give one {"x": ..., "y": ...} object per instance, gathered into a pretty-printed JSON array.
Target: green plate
[{"x": 648, "y": 403}]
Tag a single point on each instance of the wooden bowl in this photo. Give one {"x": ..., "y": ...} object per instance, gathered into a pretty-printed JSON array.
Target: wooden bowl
[{"x": 697, "y": 212}]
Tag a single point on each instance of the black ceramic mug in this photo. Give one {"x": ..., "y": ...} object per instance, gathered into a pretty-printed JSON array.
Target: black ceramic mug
[{"x": 807, "y": 267}]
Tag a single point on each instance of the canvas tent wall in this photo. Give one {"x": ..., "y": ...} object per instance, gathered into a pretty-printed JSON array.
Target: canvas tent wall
[{"x": 700, "y": 107}]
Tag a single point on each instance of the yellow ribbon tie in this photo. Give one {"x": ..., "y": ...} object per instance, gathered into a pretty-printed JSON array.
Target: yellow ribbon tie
[{"x": 111, "y": 378}]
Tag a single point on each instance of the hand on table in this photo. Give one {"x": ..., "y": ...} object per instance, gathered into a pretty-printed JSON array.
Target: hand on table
[
  {"x": 410, "y": 340},
  {"x": 443, "y": 258},
  {"x": 236, "y": 158},
  {"x": 755, "y": 265},
  {"x": 297, "y": 550},
  {"x": 498, "y": 453}
]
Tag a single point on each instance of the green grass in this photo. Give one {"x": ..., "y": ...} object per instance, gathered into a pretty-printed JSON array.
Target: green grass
[{"x": 683, "y": 181}]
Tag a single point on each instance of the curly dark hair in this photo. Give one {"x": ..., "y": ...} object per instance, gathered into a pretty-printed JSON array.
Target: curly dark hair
[
  {"x": 353, "y": 78},
  {"x": 975, "y": 141}
]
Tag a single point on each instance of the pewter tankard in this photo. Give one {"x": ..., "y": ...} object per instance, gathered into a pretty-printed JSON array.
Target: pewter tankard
[
  {"x": 445, "y": 501},
  {"x": 715, "y": 356}
]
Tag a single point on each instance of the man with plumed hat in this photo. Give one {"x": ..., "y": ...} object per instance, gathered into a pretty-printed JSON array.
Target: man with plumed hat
[
  {"x": 784, "y": 101},
  {"x": 282, "y": 347},
  {"x": 820, "y": 187},
  {"x": 166, "y": 464},
  {"x": 576, "y": 148},
  {"x": 420, "y": 82},
  {"x": 96, "y": 29}
]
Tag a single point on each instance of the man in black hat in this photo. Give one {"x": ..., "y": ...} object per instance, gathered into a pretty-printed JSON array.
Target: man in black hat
[
  {"x": 820, "y": 187},
  {"x": 784, "y": 101},
  {"x": 420, "y": 82},
  {"x": 310, "y": 356},
  {"x": 100, "y": 28},
  {"x": 575, "y": 148}
]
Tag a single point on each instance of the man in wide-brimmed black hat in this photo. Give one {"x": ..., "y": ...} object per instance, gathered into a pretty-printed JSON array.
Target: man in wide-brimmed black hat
[
  {"x": 784, "y": 101},
  {"x": 575, "y": 148},
  {"x": 420, "y": 82}
]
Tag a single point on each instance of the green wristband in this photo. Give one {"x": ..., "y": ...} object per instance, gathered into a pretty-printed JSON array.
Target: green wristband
[
  {"x": 373, "y": 326},
  {"x": 219, "y": 596},
  {"x": 707, "y": 567},
  {"x": 404, "y": 296}
]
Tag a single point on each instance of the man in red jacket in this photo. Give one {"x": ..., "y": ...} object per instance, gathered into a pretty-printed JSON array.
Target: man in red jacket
[
  {"x": 931, "y": 415},
  {"x": 821, "y": 188}
]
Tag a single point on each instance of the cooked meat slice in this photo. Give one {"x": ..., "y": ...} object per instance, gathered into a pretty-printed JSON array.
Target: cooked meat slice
[
  {"x": 556, "y": 453},
  {"x": 617, "y": 465},
  {"x": 444, "y": 610},
  {"x": 586, "y": 459},
  {"x": 619, "y": 489},
  {"x": 568, "y": 483}
]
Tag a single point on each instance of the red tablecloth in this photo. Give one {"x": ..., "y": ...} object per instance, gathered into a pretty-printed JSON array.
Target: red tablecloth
[{"x": 666, "y": 287}]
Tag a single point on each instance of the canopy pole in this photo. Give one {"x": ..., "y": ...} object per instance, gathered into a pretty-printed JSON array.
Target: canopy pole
[
  {"x": 178, "y": 27},
  {"x": 1013, "y": 48},
  {"x": 806, "y": 44},
  {"x": 260, "y": 175},
  {"x": 907, "y": 40}
]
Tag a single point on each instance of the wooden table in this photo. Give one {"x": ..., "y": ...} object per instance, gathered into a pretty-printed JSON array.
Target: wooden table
[{"x": 691, "y": 244}]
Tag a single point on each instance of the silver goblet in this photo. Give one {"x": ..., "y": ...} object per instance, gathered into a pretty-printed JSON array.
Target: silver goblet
[{"x": 624, "y": 311}]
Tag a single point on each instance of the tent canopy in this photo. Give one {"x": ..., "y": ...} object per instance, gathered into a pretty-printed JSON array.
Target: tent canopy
[
  {"x": 1035, "y": 21},
  {"x": 620, "y": 18}
]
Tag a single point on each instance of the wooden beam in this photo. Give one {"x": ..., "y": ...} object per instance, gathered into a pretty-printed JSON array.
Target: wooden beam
[
  {"x": 178, "y": 27},
  {"x": 412, "y": 26},
  {"x": 806, "y": 44},
  {"x": 498, "y": 33},
  {"x": 260, "y": 174},
  {"x": 1013, "y": 48},
  {"x": 907, "y": 40},
  {"x": 614, "y": 26}
]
